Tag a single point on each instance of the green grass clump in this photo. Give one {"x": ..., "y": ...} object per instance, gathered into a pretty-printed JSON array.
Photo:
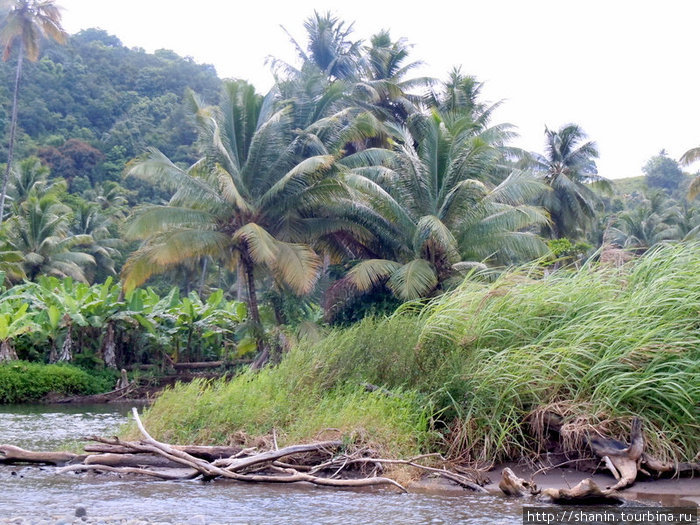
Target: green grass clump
[
  {"x": 481, "y": 365},
  {"x": 253, "y": 405},
  {"x": 22, "y": 382},
  {"x": 598, "y": 347}
]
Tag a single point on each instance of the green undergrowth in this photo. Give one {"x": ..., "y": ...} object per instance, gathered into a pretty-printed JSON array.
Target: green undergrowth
[
  {"x": 254, "y": 405},
  {"x": 22, "y": 382},
  {"x": 474, "y": 372}
]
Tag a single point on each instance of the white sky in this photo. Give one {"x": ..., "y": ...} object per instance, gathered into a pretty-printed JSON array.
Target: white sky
[{"x": 625, "y": 70}]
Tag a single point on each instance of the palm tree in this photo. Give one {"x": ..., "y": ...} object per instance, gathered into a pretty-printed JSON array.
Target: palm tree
[
  {"x": 249, "y": 203},
  {"x": 89, "y": 220},
  {"x": 656, "y": 219},
  {"x": 41, "y": 233},
  {"x": 429, "y": 211},
  {"x": 329, "y": 48},
  {"x": 690, "y": 156},
  {"x": 30, "y": 177},
  {"x": 24, "y": 24},
  {"x": 11, "y": 262},
  {"x": 383, "y": 85},
  {"x": 569, "y": 170}
]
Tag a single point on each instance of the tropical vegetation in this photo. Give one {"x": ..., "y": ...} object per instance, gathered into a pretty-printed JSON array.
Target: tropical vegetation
[
  {"x": 476, "y": 372},
  {"x": 356, "y": 228}
]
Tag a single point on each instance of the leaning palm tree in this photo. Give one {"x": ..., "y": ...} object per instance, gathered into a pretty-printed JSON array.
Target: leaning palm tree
[
  {"x": 24, "y": 24},
  {"x": 249, "y": 203},
  {"x": 430, "y": 213},
  {"x": 569, "y": 169}
]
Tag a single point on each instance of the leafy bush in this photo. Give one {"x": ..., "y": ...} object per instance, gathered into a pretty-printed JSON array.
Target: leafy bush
[{"x": 22, "y": 382}]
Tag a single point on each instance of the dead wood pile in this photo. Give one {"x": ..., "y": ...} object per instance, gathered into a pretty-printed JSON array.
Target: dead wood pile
[{"x": 323, "y": 463}]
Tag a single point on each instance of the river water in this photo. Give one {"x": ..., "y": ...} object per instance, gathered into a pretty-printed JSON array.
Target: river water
[{"x": 42, "y": 493}]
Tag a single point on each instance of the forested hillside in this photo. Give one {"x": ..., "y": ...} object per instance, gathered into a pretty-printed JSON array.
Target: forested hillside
[{"x": 89, "y": 106}]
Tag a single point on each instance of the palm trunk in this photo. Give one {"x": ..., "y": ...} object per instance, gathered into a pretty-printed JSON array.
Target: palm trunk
[
  {"x": 254, "y": 313},
  {"x": 240, "y": 281},
  {"x": 67, "y": 348},
  {"x": 13, "y": 130},
  {"x": 203, "y": 279}
]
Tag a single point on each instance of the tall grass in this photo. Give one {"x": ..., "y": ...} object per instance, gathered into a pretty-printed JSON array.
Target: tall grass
[
  {"x": 597, "y": 346},
  {"x": 481, "y": 365}
]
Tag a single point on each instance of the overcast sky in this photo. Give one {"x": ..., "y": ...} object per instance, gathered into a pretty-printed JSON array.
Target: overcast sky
[{"x": 626, "y": 71}]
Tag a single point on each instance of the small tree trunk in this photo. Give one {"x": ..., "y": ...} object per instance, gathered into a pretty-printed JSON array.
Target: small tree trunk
[
  {"x": 13, "y": 130},
  {"x": 7, "y": 352},
  {"x": 240, "y": 282},
  {"x": 53, "y": 354},
  {"x": 202, "y": 281},
  {"x": 108, "y": 347},
  {"x": 67, "y": 348}
]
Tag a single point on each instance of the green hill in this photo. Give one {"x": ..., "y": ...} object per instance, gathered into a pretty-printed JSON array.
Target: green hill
[{"x": 105, "y": 97}]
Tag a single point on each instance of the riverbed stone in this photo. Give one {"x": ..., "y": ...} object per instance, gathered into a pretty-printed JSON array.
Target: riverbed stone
[
  {"x": 197, "y": 520},
  {"x": 80, "y": 511}
]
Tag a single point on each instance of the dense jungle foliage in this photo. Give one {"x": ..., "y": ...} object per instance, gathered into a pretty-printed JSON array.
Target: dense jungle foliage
[{"x": 154, "y": 213}]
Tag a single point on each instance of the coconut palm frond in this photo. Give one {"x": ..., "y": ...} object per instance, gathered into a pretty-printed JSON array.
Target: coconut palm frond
[{"x": 413, "y": 280}]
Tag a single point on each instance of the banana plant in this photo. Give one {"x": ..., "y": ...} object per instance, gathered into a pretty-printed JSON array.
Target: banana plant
[
  {"x": 208, "y": 322},
  {"x": 13, "y": 323}
]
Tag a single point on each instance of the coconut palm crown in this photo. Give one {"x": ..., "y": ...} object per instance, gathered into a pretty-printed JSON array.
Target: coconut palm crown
[
  {"x": 250, "y": 202},
  {"x": 431, "y": 211},
  {"x": 568, "y": 167}
]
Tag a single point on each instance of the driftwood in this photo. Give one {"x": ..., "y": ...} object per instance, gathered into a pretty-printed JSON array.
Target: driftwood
[
  {"x": 512, "y": 485},
  {"x": 587, "y": 492},
  {"x": 10, "y": 454},
  {"x": 341, "y": 462},
  {"x": 317, "y": 463},
  {"x": 115, "y": 446},
  {"x": 622, "y": 460},
  {"x": 197, "y": 365},
  {"x": 626, "y": 462}
]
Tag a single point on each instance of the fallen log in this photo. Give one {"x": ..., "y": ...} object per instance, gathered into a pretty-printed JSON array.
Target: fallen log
[
  {"x": 586, "y": 492},
  {"x": 115, "y": 446},
  {"x": 167, "y": 474},
  {"x": 9, "y": 454},
  {"x": 211, "y": 471},
  {"x": 129, "y": 460},
  {"x": 198, "y": 365},
  {"x": 512, "y": 485}
]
